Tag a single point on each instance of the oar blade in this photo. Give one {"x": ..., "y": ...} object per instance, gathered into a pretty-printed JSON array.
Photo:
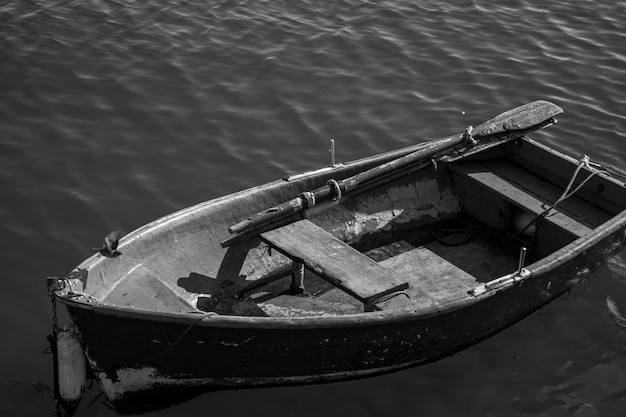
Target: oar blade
[{"x": 520, "y": 118}]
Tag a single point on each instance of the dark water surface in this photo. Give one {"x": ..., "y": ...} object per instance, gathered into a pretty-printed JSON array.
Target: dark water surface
[{"x": 113, "y": 113}]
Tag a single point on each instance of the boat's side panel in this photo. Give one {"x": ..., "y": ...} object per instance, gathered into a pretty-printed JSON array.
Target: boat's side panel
[{"x": 130, "y": 354}]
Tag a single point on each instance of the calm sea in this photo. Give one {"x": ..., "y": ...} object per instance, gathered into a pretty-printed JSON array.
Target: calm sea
[{"x": 116, "y": 112}]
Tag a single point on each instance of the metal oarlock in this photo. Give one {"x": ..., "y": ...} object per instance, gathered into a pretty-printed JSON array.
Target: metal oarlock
[{"x": 522, "y": 259}]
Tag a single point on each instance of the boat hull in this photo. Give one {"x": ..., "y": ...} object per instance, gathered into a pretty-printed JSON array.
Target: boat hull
[
  {"x": 177, "y": 309},
  {"x": 132, "y": 351}
]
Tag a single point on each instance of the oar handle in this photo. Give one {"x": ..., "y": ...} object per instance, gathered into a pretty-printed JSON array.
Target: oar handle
[{"x": 288, "y": 208}]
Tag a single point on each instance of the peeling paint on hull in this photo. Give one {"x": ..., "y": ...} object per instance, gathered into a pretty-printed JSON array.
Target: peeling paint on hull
[
  {"x": 130, "y": 381},
  {"x": 419, "y": 200}
]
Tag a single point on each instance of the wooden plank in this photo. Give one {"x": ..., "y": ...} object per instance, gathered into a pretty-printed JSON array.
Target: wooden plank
[
  {"x": 432, "y": 277},
  {"x": 511, "y": 192},
  {"x": 335, "y": 261},
  {"x": 483, "y": 258},
  {"x": 289, "y": 306}
]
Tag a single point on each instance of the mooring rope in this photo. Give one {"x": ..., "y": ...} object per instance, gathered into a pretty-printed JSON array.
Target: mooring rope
[
  {"x": 182, "y": 335},
  {"x": 452, "y": 232},
  {"x": 584, "y": 161},
  {"x": 308, "y": 199}
]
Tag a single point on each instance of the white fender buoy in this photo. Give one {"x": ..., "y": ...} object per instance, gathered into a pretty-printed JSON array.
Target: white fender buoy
[{"x": 72, "y": 367}]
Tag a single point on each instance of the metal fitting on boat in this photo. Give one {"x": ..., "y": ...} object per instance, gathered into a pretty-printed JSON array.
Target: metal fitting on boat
[
  {"x": 467, "y": 135},
  {"x": 308, "y": 199},
  {"x": 335, "y": 189}
]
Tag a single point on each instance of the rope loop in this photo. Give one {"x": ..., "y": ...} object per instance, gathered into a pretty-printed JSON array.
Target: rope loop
[
  {"x": 452, "y": 232},
  {"x": 335, "y": 189},
  {"x": 308, "y": 199},
  {"x": 467, "y": 136},
  {"x": 584, "y": 161}
]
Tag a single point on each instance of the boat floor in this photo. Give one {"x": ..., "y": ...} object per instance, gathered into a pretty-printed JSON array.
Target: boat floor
[{"x": 435, "y": 272}]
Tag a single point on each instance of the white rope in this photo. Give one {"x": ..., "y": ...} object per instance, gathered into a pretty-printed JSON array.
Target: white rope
[{"x": 584, "y": 161}]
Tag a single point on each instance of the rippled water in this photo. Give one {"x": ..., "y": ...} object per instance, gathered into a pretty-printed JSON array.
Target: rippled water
[{"x": 113, "y": 113}]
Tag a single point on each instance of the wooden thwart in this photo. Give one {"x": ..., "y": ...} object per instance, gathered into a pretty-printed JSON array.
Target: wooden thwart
[
  {"x": 511, "y": 192},
  {"x": 335, "y": 261}
]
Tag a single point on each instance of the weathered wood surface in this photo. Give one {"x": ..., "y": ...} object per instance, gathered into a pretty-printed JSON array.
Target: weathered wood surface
[
  {"x": 431, "y": 276},
  {"x": 511, "y": 192},
  {"x": 142, "y": 290},
  {"x": 333, "y": 260}
]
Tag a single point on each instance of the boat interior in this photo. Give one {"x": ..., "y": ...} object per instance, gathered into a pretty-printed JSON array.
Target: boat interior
[{"x": 424, "y": 237}]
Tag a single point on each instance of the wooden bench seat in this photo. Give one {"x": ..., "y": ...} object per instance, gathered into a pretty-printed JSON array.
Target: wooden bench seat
[
  {"x": 335, "y": 261},
  {"x": 486, "y": 177}
]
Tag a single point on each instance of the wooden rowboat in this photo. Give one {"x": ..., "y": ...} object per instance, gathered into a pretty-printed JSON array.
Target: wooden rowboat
[{"x": 351, "y": 270}]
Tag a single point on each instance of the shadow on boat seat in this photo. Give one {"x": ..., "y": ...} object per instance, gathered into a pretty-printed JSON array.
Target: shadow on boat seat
[
  {"x": 198, "y": 284},
  {"x": 218, "y": 295}
]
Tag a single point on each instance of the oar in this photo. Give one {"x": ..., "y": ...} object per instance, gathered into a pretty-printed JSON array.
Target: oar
[{"x": 513, "y": 123}]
